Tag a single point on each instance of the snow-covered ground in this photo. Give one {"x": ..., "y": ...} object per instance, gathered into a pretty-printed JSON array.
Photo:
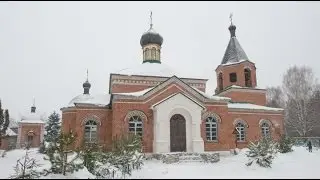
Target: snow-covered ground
[
  {"x": 297, "y": 164},
  {"x": 8, "y": 163}
]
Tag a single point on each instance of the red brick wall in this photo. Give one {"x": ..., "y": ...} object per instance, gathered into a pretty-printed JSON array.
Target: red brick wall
[
  {"x": 120, "y": 124},
  {"x": 258, "y": 98},
  {"x": 74, "y": 121},
  {"x": 122, "y": 88},
  {"x": 114, "y": 122},
  {"x": 120, "y": 110},
  {"x": 239, "y": 70},
  {"x": 25, "y": 128},
  {"x": 226, "y": 140},
  {"x": 4, "y": 143},
  {"x": 124, "y": 84}
]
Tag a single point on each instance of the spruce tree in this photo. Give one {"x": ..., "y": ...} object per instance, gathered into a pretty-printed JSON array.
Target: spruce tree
[
  {"x": 52, "y": 128},
  {"x": 26, "y": 168},
  {"x": 59, "y": 155},
  {"x": 262, "y": 152},
  {"x": 4, "y": 122},
  {"x": 285, "y": 144}
]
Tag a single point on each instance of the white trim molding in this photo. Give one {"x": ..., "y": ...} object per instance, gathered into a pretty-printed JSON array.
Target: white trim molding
[
  {"x": 91, "y": 117},
  {"x": 238, "y": 120},
  {"x": 139, "y": 113},
  {"x": 211, "y": 114}
]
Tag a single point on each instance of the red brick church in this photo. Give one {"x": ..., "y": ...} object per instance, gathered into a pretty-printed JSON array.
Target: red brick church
[{"x": 174, "y": 113}]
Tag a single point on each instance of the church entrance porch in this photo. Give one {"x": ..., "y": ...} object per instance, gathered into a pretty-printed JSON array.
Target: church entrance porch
[
  {"x": 178, "y": 133},
  {"x": 177, "y": 125}
]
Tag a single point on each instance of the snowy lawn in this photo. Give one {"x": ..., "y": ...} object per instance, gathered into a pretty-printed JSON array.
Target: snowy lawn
[
  {"x": 8, "y": 163},
  {"x": 297, "y": 164}
]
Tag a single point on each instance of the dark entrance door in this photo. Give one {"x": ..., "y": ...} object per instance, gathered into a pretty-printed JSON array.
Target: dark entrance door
[{"x": 177, "y": 133}]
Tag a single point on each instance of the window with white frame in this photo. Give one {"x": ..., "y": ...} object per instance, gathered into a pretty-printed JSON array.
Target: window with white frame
[
  {"x": 265, "y": 129},
  {"x": 211, "y": 129},
  {"x": 90, "y": 131},
  {"x": 135, "y": 125},
  {"x": 240, "y": 132}
]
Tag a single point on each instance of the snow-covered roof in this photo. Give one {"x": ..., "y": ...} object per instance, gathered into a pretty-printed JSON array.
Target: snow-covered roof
[
  {"x": 234, "y": 52},
  {"x": 154, "y": 69},
  {"x": 149, "y": 69},
  {"x": 98, "y": 100},
  {"x": 252, "y": 107},
  {"x": 211, "y": 97},
  {"x": 32, "y": 118},
  {"x": 9, "y": 132},
  {"x": 13, "y": 123},
  {"x": 137, "y": 93},
  {"x": 240, "y": 87}
]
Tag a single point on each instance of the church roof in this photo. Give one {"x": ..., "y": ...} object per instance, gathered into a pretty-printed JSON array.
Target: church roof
[
  {"x": 136, "y": 93},
  {"x": 179, "y": 94},
  {"x": 149, "y": 91},
  {"x": 149, "y": 69},
  {"x": 154, "y": 69},
  {"x": 151, "y": 37},
  {"x": 97, "y": 100},
  {"x": 10, "y": 132},
  {"x": 13, "y": 123},
  {"x": 249, "y": 106},
  {"x": 234, "y": 52},
  {"x": 32, "y": 118}
]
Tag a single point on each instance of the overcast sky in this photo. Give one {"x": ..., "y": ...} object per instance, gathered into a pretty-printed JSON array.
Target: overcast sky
[{"x": 46, "y": 47}]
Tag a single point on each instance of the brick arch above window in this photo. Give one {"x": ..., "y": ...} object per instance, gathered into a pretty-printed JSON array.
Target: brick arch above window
[
  {"x": 247, "y": 67},
  {"x": 265, "y": 121},
  {"x": 211, "y": 114},
  {"x": 236, "y": 121},
  {"x": 136, "y": 113},
  {"x": 91, "y": 117}
]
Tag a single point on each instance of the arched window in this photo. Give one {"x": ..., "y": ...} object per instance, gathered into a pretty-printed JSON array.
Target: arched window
[
  {"x": 211, "y": 129},
  {"x": 144, "y": 54},
  {"x": 158, "y": 54},
  {"x": 247, "y": 77},
  {"x": 90, "y": 131},
  {"x": 220, "y": 79},
  {"x": 240, "y": 127},
  {"x": 153, "y": 53},
  {"x": 135, "y": 125},
  {"x": 265, "y": 128},
  {"x": 148, "y": 54}
]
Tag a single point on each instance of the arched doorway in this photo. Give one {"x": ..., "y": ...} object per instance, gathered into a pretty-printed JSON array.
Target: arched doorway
[{"x": 178, "y": 133}]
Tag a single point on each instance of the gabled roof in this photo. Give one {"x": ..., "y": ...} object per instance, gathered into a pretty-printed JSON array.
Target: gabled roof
[
  {"x": 183, "y": 94},
  {"x": 199, "y": 95}
]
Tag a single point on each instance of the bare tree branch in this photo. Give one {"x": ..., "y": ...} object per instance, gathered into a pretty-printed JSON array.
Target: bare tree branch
[{"x": 299, "y": 88}]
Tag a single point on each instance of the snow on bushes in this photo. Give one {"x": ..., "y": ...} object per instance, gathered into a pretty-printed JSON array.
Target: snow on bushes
[
  {"x": 285, "y": 144},
  {"x": 26, "y": 168},
  {"x": 125, "y": 156},
  {"x": 262, "y": 152}
]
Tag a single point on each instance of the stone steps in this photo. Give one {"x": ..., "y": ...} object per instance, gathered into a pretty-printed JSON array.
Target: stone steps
[
  {"x": 190, "y": 158},
  {"x": 170, "y": 158}
]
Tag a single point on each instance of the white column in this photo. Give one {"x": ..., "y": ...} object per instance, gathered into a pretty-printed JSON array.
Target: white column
[{"x": 197, "y": 141}]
